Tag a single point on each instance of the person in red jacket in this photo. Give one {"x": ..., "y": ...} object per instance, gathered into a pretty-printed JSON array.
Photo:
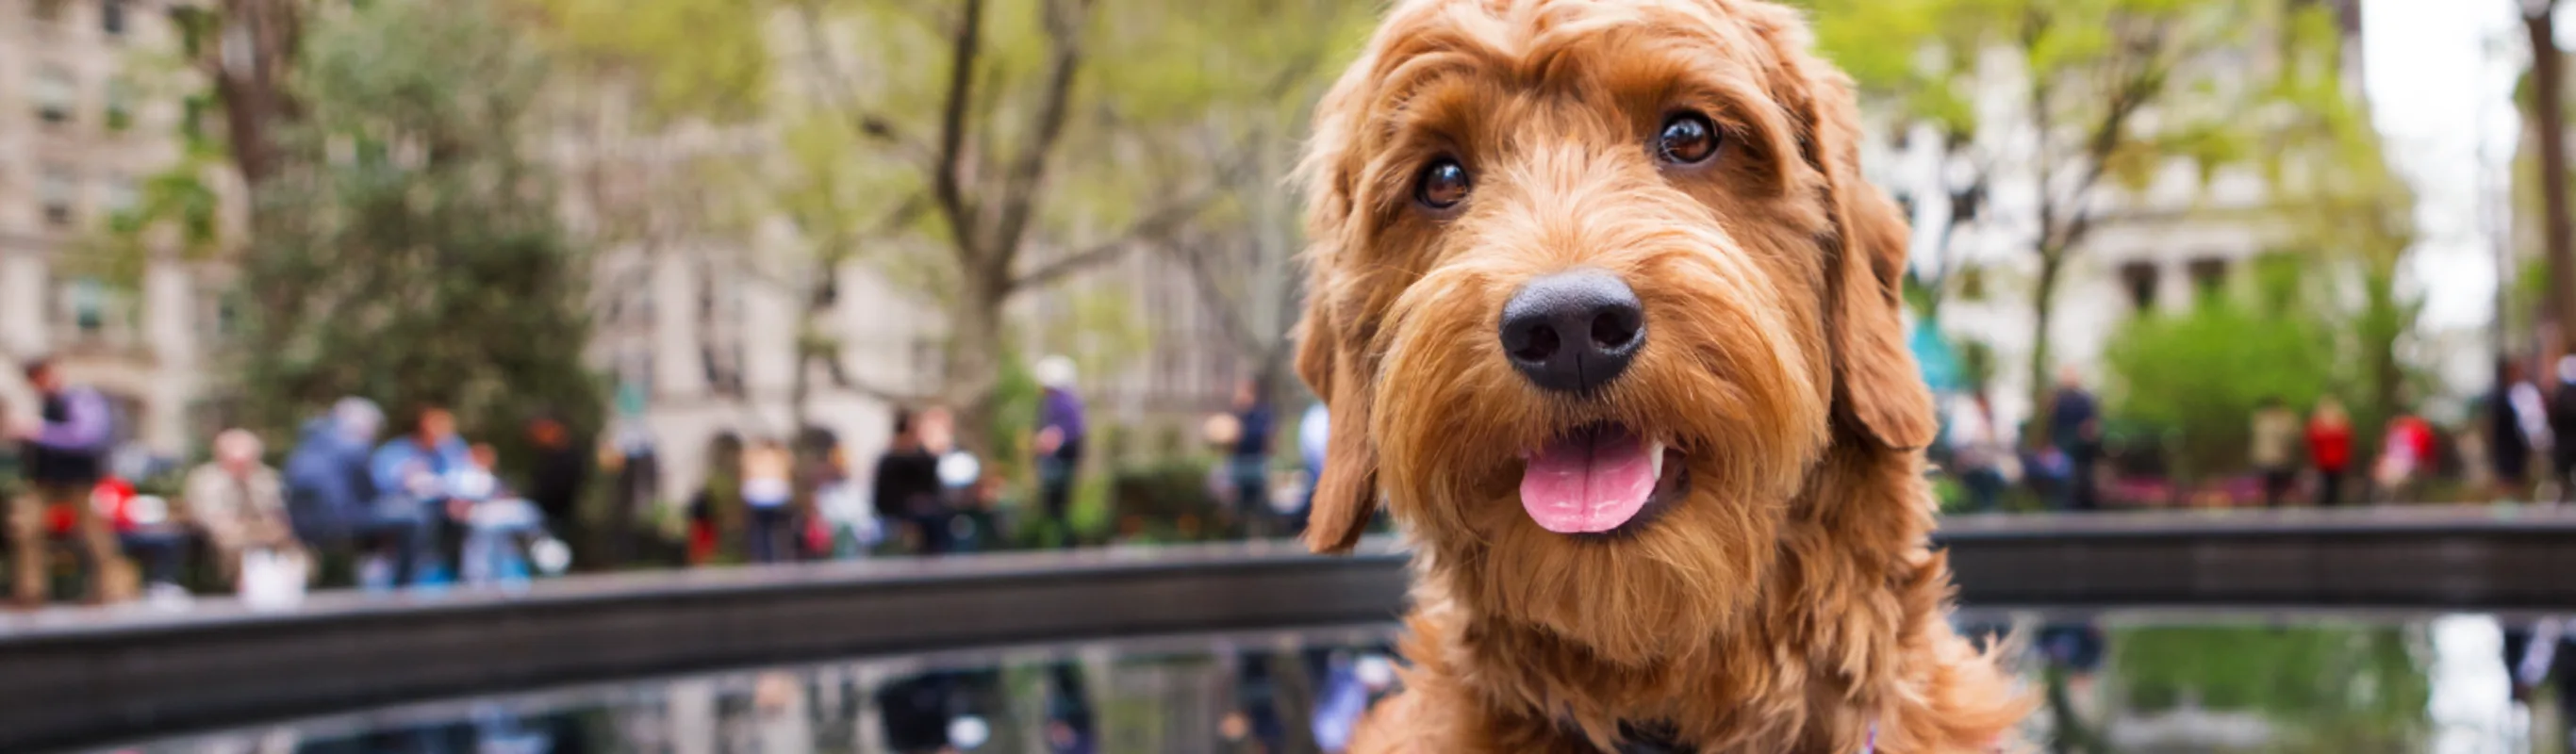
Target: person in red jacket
[
  {"x": 2329, "y": 449},
  {"x": 2405, "y": 457}
]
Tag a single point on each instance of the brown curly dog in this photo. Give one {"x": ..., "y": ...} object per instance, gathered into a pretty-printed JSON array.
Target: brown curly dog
[{"x": 1602, "y": 306}]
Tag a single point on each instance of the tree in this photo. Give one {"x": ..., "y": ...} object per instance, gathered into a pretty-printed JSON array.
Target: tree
[
  {"x": 978, "y": 139},
  {"x": 230, "y": 73},
  {"x": 2324, "y": 312},
  {"x": 246, "y": 51},
  {"x": 972, "y": 150},
  {"x": 421, "y": 260},
  {"x": 2195, "y": 379},
  {"x": 2347, "y": 222},
  {"x": 2111, "y": 92},
  {"x": 2559, "y": 242},
  {"x": 1252, "y": 97},
  {"x": 1918, "y": 60}
]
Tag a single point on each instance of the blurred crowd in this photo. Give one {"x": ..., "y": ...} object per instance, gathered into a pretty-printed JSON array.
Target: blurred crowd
[
  {"x": 2070, "y": 458},
  {"x": 411, "y": 502},
  {"x": 424, "y": 507}
]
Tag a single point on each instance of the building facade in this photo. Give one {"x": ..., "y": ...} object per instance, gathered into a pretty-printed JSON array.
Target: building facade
[{"x": 75, "y": 141}]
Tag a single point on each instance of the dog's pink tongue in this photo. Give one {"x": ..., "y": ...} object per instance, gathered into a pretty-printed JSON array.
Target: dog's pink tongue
[{"x": 1591, "y": 482}]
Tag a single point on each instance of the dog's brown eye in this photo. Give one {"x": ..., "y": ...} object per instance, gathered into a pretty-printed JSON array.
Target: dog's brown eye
[
  {"x": 1687, "y": 139},
  {"x": 1443, "y": 185}
]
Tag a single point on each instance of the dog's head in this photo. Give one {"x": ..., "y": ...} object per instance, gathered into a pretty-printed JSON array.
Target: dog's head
[{"x": 1596, "y": 284}]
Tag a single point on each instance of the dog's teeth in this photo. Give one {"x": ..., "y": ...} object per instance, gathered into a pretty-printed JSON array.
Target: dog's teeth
[{"x": 1655, "y": 456}]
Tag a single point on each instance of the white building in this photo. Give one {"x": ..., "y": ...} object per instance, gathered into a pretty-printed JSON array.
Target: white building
[{"x": 74, "y": 142}]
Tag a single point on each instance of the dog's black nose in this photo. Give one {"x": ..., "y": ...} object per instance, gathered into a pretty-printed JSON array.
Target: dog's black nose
[{"x": 1573, "y": 331}]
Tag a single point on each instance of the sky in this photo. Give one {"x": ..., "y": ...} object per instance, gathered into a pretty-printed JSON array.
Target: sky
[{"x": 2439, "y": 74}]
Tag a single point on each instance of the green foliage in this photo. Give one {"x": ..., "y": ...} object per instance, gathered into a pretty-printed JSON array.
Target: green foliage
[
  {"x": 1014, "y": 418},
  {"x": 415, "y": 255},
  {"x": 176, "y": 209},
  {"x": 2333, "y": 688},
  {"x": 2196, "y": 377},
  {"x": 706, "y": 59},
  {"x": 1156, "y": 498}
]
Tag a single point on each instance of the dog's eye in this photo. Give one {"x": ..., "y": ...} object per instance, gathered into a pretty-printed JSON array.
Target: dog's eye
[
  {"x": 1687, "y": 139},
  {"x": 1443, "y": 184}
]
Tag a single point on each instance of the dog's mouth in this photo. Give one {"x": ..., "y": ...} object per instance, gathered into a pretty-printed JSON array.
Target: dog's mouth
[{"x": 1600, "y": 479}]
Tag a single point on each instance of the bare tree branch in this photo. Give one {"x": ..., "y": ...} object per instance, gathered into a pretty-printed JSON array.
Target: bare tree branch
[
  {"x": 945, "y": 182},
  {"x": 1155, "y": 225},
  {"x": 1064, "y": 22},
  {"x": 843, "y": 94},
  {"x": 1194, "y": 257}
]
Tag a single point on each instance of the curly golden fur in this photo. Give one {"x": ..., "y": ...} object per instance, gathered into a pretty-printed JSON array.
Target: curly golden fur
[{"x": 1788, "y": 600}]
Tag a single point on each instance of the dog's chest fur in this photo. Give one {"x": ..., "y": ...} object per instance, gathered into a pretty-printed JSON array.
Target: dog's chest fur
[{"x": 1481, "y": 688}]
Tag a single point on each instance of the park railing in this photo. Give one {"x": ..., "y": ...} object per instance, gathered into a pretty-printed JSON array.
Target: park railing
[{"x": 73, "y": 677}]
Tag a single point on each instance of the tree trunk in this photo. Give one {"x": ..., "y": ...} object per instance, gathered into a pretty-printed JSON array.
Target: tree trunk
[
  {"x": 975, "y": 351},
  {"x": 2541, "y": 27},
  {"x": 2043, "y": 304},
  {"x": 254, "y": 95}
]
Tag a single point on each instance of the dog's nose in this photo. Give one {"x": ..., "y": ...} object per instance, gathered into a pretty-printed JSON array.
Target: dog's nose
[{"x": 1574, "y": 331}]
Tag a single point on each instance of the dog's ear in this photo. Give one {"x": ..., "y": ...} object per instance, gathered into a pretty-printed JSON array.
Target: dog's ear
[
  {"x": 1330, "y": 343},
  {"x": 1346, "y": 492},
  {"x": 1877, "y": 387}
]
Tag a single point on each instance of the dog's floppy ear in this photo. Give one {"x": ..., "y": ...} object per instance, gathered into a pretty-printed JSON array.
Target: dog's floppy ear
[
  {"x": 1329, "y": 342},
  {"x": 1877, "y": 387},
  {"x": 1346, "y": 492}
]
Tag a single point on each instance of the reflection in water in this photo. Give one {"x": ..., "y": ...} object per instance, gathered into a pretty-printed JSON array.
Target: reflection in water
[{"x": 2139, "y": 682}]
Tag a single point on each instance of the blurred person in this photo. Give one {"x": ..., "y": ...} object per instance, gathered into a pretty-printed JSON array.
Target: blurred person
[
  {"x": 1059, "y": 442},
  {"x": 1070, "y": 726},
  {"x": 2535, "y": 657},
  {"x": 2075, "y": 429},
  {"x": 1314, "y": 430},
  {"x": 768, "y": 489},
  {"x": 330, "y": 492},
  {"x": 701, "y": 516},
  {"x": 907, "y": 487},
  {"x": 558, "y": 471},
  {"x": 8, "y": 455},
  {"x": 149, "y": 534},
  {"x": 2518, "y": 426},
  {"x": 634, "y": 457},
  {"x": 2405, "y": 455},
  {"x": 850, "y": 527},
  {"x": 240, "y": 504},
  {"x": 1980, "y": 453},
  {"x": 973, "y": 524},
  {"x": 496, "y": 520},
  {"x": 2329, "y": 449},
  {"x": 1248, "y": 462},
  {"x": 412, "y": 473},
  {"x": 63, "y": 454},
  {"x": 2275, "y": 444},
  {"x": 2560, "y": 420}
]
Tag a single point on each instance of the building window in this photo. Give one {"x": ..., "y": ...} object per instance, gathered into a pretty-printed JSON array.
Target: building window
[
  {"x": 85, "y": 304},
  {"x": 2140, "y": 279},
  {"x": 120, "y": 194},
  {"x": 54, "y": 93},
  {"x": 218, "y": 316},
  {"x": 111, "y": 17},
  {"x": 2207, "y": 276},
  {"x": 120, "y": 105},
  {"x": 58, "y": 189}
]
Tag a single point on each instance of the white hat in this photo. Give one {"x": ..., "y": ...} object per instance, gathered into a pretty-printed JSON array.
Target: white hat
[{"x": 1055, "y": 372}]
